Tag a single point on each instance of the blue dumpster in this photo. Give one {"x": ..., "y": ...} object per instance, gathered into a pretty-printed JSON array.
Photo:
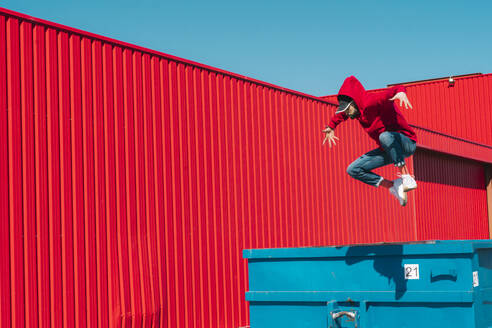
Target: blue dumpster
[{"x": 405, "y": 285}]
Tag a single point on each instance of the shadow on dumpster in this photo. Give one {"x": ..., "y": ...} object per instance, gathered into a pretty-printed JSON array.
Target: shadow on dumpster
[{"x": 387, "y": 262}]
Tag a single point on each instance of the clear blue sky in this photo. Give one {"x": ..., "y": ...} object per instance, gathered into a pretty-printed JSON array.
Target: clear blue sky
[{"x": 309, "y": 46}]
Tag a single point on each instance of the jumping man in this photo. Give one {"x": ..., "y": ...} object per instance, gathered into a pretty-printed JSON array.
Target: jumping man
[{"x": 384, "y": 123}]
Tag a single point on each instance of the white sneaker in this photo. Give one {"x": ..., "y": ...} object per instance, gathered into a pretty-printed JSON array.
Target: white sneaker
[
  {"x": 409, "y": 182},
  {"x": 398, "y": 192}
]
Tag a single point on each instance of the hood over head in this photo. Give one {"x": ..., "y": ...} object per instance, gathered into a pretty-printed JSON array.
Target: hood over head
[{"x": 352, "y": 88}]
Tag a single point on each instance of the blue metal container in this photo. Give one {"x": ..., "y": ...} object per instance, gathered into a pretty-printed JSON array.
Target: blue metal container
[{"x": 430, "y": 284}]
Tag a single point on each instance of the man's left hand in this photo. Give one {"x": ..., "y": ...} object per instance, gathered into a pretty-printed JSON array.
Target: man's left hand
[{"x": 402, "y": 96}]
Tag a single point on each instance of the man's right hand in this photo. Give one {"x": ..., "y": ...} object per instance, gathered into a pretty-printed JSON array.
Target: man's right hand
[{"x": 330, "y": 136}]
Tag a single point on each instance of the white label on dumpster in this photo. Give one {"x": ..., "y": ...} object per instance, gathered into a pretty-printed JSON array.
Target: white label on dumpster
[
  {"x": 475, "y": 278},
  {"x": 412, "y": 271}
]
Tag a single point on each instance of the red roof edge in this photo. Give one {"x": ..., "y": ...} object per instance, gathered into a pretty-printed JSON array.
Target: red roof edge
[
  {"x": 34, "y": 20},
  {"x": 438, "y": 79},
  {"x": 443, "y": 143}
]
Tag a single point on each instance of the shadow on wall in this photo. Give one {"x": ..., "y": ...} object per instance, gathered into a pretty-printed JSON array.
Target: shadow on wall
[
  {"x": 387, "y": 262},
  {"x": 448, "y": 170}
]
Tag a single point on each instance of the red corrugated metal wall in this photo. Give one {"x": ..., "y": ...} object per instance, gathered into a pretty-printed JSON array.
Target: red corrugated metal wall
[
  {"x": 452, "y": 200},
  {"x": 135, "y": 180},
  {"x": 463, "y": 110}
]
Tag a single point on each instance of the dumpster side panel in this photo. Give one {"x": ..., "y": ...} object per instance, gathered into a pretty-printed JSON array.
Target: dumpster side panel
[
  {"x": 374, "y": 290},
  {"x": 485, "y": 271},
  {"x": 483, "y": 283},
  {"x": 387, "y": 274},
  {"x": 420, "y": 315},
  {"x": 288, "y": 314},
  {"x": 374, "y": 315}
]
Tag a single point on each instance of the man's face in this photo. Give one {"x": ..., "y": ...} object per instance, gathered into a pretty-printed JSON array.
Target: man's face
[{"x": 352, "y": 111}]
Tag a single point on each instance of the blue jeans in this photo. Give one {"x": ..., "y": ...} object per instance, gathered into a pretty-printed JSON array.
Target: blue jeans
[{"x": 396, "y": 148}]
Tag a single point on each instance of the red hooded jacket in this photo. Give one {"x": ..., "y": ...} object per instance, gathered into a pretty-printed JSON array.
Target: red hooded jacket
[{"x": 377, "y": 113}]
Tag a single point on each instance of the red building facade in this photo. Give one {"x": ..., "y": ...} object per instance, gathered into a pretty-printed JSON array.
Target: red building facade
[{"x": 135, "y": 180}]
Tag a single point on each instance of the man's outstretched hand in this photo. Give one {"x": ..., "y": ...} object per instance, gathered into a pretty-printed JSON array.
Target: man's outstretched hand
[
  {"x": 330, "y": 136},
  {"x": 402, "y": 96}
]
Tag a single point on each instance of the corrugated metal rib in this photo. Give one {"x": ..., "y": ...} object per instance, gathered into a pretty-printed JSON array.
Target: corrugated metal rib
[
  {"x": 135, "y": 180},
  {"x": 17, "y": 297},
  {"x": 5, "y": 269}
]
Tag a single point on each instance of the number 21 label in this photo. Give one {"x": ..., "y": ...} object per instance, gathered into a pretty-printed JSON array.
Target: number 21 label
[{"x": 411, "y": 271}]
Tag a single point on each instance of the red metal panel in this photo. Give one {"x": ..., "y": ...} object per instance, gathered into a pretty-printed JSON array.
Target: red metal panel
[
  {"x": 158, "y": 193},
  {"x": 170, "y": 316},
  {"x": 28, "y": 175},
  {"x": 153, "y": 173},
  {"x": 140, "y": 220},
  {"x": 17, "y": 286},
  {"x": 149, "y": 215},
  {"x": 131, "y": 181},
  {"x": 40, "y": 163},
  {"x": 451, "y": 197},
  {"x": 100, "y": 218},
  {"x": 53, "y": 152},
  {"x": 462, "y": 110},
  {"x": 198, "y": 214},
  {"x": 88, "y": 162},
  {"x": 66, "y": 213},
  {"x": 5, "y": 303},
  {"x": 120, "y": 186},
  {"x": 77, "y": 163},
  {"x": 108, "y": 155}
]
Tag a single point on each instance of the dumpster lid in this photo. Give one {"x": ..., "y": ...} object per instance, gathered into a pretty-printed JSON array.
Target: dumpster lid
[{"x": 373, "y": 250}]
